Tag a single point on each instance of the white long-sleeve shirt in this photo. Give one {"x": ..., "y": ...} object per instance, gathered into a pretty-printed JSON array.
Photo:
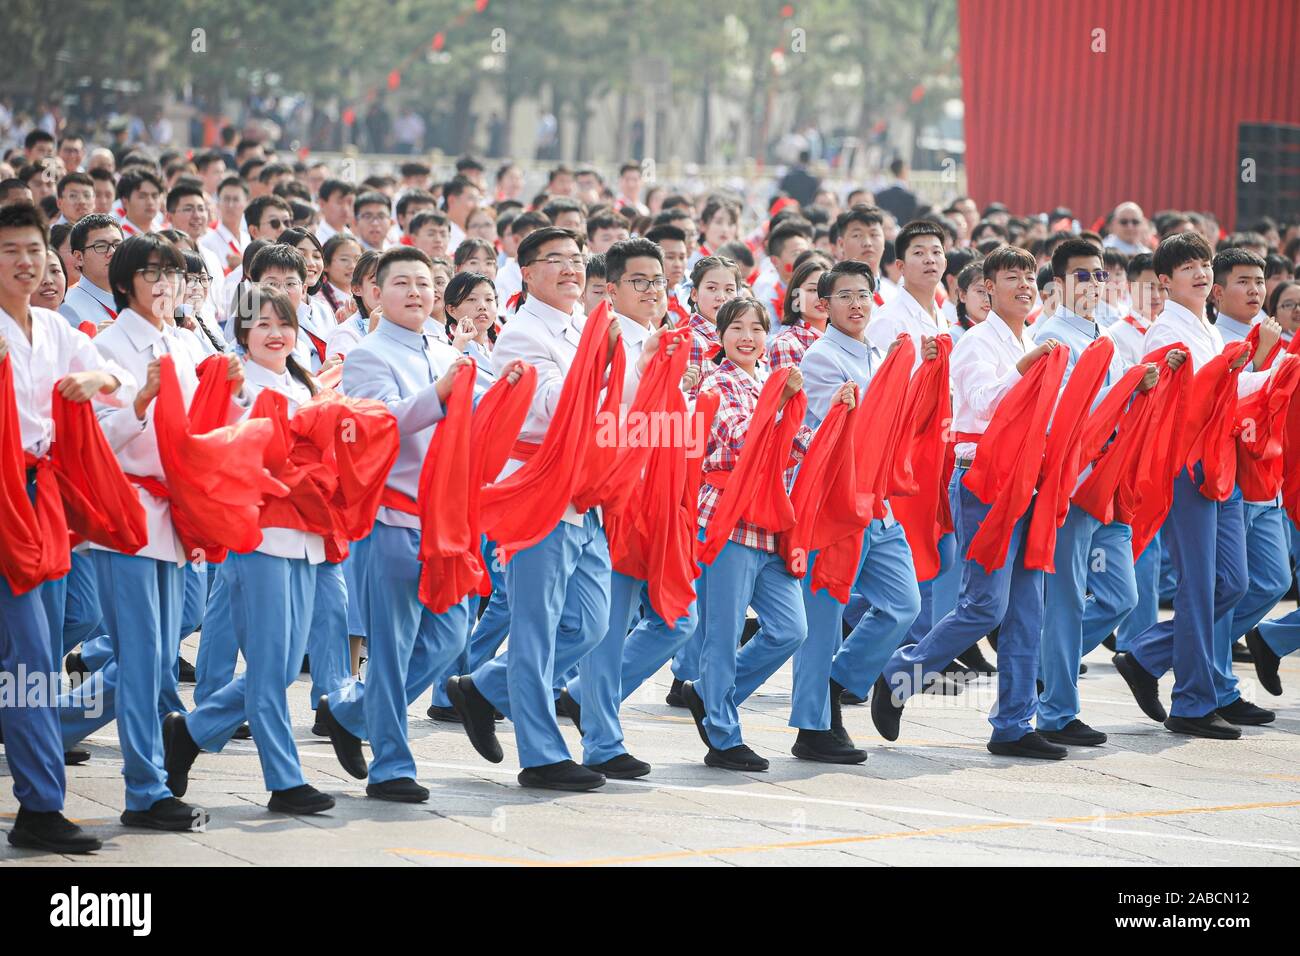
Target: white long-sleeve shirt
[
  {"x": 1177, "y": 323},
  {"x": 55, "y": 350},
  {"x": 901, "y": 314},
  {"x": 983, "y": 370}
]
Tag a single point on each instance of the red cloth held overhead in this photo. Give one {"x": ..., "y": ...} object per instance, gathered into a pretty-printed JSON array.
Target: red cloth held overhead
[
  {"x": 1211, "y": 420},
  {"x": 755, "y": 488},
  {"x": 1062, "y": 459},
  {"x": 523, "y": 508},
  {"x": 1010, "y": 457},
  {"x": 923, "y": 462}
]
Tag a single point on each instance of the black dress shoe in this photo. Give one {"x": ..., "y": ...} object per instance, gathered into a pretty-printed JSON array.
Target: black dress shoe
[
  {"x": 306, "y": 664},
  {"x": 51, "y": 831},
  {"x": 974, "y": 659},
  {"x": 1076, "y": 733},
  {"x": 1241, "y": 654},
  {"x": 167, "y": 814},
  {"x": 400, "y": 790},
  {"x": 318, "y": 728},
  {"x": 1245, "y": 714},
  {"x": 695, "y": 704},
  {"x": 622, "y": 767},
  {"x": 674, "y": 696},
  {"x": 75, "y": 666},
  {"x": 1083, "y": 668},
  {"x": 752, "y": 627},
  {"x": 992, "y": 638},
  {"x": 242, "y": 732},
  {"x": 959, "y": 672},
  {"x": 186, "y": 673},
  {"x": 476, "y": 716},
  {"x": 300, "y": 800},
  {"x": 1266, "y": 662},
  {"x": 1211, "y": 725},
  {"x": 571, "y": 708},
  {"x": 850, "y": 699},
  {"x": 1108, "y": 642},
  {"x": 347, "y": 746},
  {"x": 565, "y": 775},
  {"x": 825, "y": 746},
  {"x": 179, "y": 753},
  {"x": 72, "y": 758},
  {"x": 1142, "y": 683},
  {"x": 1039, "y": 686},
  {"x": 886, "y": 713},
  {"x": 739, "y": 757},
  {"x": 1166, "y": 604},
  {"x": 1031, "y": 745},
  {"x": 443, "y": 715}
]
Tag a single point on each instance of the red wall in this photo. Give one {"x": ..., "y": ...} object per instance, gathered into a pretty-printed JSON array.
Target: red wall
[{"x": 1153, "y": 119}]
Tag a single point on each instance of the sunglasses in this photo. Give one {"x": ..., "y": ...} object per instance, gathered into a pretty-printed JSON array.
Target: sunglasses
[{"x": 1083, "y": 275}]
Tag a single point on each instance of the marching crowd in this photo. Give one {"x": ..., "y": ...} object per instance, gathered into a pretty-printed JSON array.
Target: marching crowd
[{"x": 514, "y": 455}]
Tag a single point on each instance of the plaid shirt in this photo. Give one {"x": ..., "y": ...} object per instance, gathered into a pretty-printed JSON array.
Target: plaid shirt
[
  {"x": 789, "y": 344},
  {"x": 704, "y": 341},
  {"x": 739, "y": 397}
]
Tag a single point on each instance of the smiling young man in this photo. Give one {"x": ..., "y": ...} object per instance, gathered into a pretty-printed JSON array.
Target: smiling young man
[
  {"x": 187, "y": 210},
  {"x": 373, "y": 219},
  {"x": 93, "y": 242},
  {"x": 229, "y": 236},
  {"x": 636, "y": 288},
  {"x": 140, "y": 192},
  {"x": 988, "y": 361},
  {"x": 76, "y": 194},
  {"x": 559, "y": 587},
  {"x": 919, "y": 248},
  {"x": 460, "y": 197},
  {"x": 1206, "y": 537},
  {"x": 336, "y": 212}
]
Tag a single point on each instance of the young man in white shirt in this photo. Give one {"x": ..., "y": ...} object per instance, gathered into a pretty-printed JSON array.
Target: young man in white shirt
[
  {"x": 140, "y": 193},
  {"x": 336, "y": 213},
  {"x": 76, "y": 193},
  {"x": 988, "y": 361},
  {"x": 460, "y": 197},
  {"x": 788, "y": 238},
  {"x": 229, "y": 236},
  {"x": 93, "y": 242},
  {"x": 919, "y": 247},
  {"x": 373, "y": 218},
  {"x": 187, "y": 210},
  {"x": 1147, "y": 298}
]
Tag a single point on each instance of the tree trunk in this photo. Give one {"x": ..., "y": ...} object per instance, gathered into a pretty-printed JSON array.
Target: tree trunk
[{"x": 706, "y": 121}]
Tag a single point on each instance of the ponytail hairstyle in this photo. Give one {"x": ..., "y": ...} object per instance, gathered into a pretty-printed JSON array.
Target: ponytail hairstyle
[
  {"x": 294, "y": 237},
  {"x": 457, "y": 291},
  {"x": 792, "y": 308},
  {"x": 733, "y": 310},
  {"x": 703, "y": 266},
  {"x": 972, "y": 272},
  {"x": 367, "y": 265},
  {"x": 248, "y": 309},
  {"x": 331, "y": 248}
]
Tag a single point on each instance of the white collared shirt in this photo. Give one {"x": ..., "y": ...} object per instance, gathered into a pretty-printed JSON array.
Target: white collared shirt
[
  {"x": 902, "y": 314},
  {"x": 284, "y": 542},
  {"x": 509, "y": 281},
  {"x": 1176, "y": 323},
  {"x": 222, "y": 242},
  {"x": 55, "y": 350},
  {"x": 983, "y": 369},
  {"x": 457, "y": 237},
  {"x": 87, "y": 302},
  {"x": 634, "y": 339}
]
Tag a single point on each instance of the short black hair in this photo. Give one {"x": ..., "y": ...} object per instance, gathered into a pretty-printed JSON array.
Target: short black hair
[
  {"x": 847, "y": 267},
  {"x": 535, "y": 240},
  {"x": 332, "y": 186},
  {"x": 232, "y": 181},
  {"x": 130, "y": 182},
  {"x": 413, "y": 168},
  {"x": 468, "y": 246},
  {"x": 455, "y": 186},
  {"x": 399, "y": 254},
  {"x": 74, "y": 179},
  {"x": 414, "y": 196},
  {"x": 88, "y": 224},
  {"x": 426, "y": 216},
  {"x": 562, "y": 204},
  {"x": 1006, "y": 257},
  {"x": 206, "y": 157},
  {"x": 596, "y": 266},
  {"x": 658, "y": 234},
  {"x": 23, "y": 215},
  {"x": 604, "y": 220},
  {"x": 132, "y": 256},
  {"x": 1229, "y": 259},
  {"x": 58, "y": 233},
  {"x": 1138, "y": 264},
  {"x": 468, "y": 162},
  {"x": 1276, "y": 265},
  {"x": 277, "y": 255},
  {"x": 254, "y": 210},
  {"x": 526, "y": 221},
  {"x": 860, "y": 213},
  {"x": 1180, "y": 248},
  {"x": 180, "y": 191},
  {"x": 786, "y": 230},
  {"x": 37, "y": 136},
  {"x": 271, "y": 170},
  {"x": 915, "y": 230},
  {"x": 372, "y": 198},
  {"x": 617, "y": 256},
  {"x": 1072, "y": 249}
]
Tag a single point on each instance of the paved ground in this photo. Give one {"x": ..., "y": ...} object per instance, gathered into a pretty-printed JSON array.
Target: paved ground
[{"x": 936, "y": 796}]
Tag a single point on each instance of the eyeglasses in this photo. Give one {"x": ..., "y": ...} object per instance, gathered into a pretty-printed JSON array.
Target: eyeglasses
[
  {"x": 1289, "y": 306},
  {"x": 373, "y": 217},
  {"x": 277, "y": 224},
  {"x": 286, "y": 286},
  {"x": 156, "y": 273},
  {"x": 191, "y": 210},
  {"x": 198, "y": 278},
  {"x": 659, "y": 283},
  {"x": 1083, "y": 275},
  {"x": 103, "y": 247},
  {"x": 854, "y": 298},
  {"x": 573, "y": 262}
]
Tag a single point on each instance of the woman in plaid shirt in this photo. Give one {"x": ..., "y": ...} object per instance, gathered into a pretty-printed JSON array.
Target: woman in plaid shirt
[
  {"x": 748, "y": 571},
  {"x": 803, "y": 316},
  {"x": 714, "y": 280}
]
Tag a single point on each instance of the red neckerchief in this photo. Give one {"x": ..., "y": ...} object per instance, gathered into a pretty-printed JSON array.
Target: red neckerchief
[{"x": 1134, "y": 321}]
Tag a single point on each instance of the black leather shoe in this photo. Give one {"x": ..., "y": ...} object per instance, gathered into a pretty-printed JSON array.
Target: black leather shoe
[
  {"x": 186, "y": 673},
  {"x": 72, "y": 758},
  {"x": 992, "y": 637},
  {"x": 318, "y": 728},
  {"x": 850, "y": 699},
  {"x": 179, "y": 753},
  {"x": 1245, "y": 714},
  {"x": 739, "y": 757},
  {"x": 695, "y": 704},
  {"x": 167, "y": 814},
  {"x": 1241, "y": 654},
  {"x": 1142, "y": 683},
  {"x": 825, "y": 746},
  {"x": 974, "y": 659},
  {"x": 674, "y": 696},
  {"x": 1212, "y": 726},
  {"x": 571, "y": 708},
  {"x": 1076, "y": 733},
  {"x": 306, "y": 664},
  {"x": 242, "y": 732},
  {"x": 400, "y": 790},
  {"x": 959, "y": 672},
  {"x": 347, "y": 746},
  {"x": 75, "y": 666},
  {"x": 1108, "y": 642},
  {"x": 50, "y": 831},
  {"x": 1031, "y": 744},
  {"x": 1166, "y": 604},
  {"x": 886, "y": 713},
  {"x": 476, "y": 716},
  {"x": 1266, "y": 662},
  {"x": 1083, "y": 668},
  {"x": 622, "y": 767},
  {"x": 443, "y": 715},
  {"x": 752, "y": 627},
  {"x": 565, "y": 775},
  {"x": 300, "y": 800}
]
